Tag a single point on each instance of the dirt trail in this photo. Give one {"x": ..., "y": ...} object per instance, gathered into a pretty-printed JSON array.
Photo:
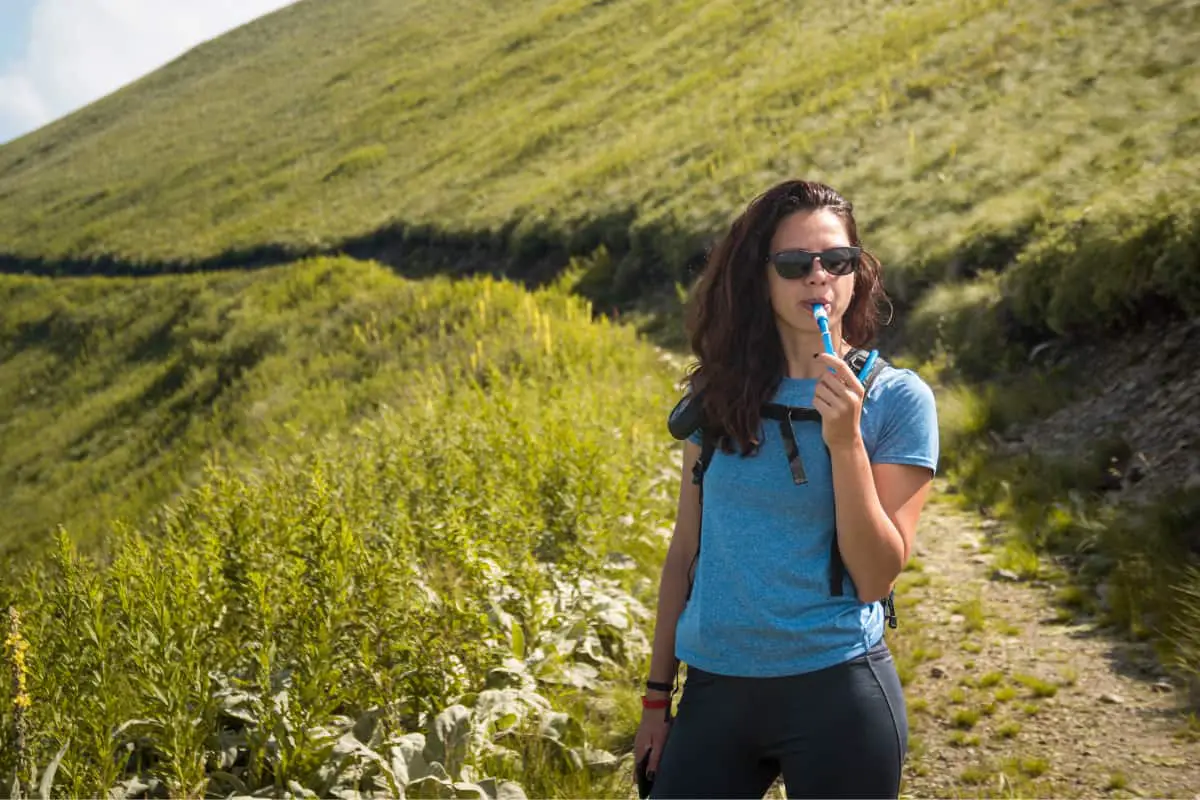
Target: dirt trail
[{"x": 1010, "y": 698}]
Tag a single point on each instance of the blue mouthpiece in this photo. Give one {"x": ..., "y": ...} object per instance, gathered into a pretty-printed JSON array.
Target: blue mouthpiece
[{"x": 822, "y": 319}]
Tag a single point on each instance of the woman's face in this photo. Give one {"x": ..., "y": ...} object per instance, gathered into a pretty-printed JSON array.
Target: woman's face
[{"x": 792, "y": 299}]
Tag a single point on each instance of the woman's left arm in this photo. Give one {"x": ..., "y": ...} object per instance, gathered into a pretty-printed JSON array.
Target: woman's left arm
[
  {"x": 875, "y": 536},
  {"x": 878, "y": 504}
]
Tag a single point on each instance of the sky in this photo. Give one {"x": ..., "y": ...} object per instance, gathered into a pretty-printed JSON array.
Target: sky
[{"x": 59, "y": 55}]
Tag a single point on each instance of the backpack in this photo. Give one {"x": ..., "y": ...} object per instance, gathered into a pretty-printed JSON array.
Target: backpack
[{"x": 688, "y": 416}]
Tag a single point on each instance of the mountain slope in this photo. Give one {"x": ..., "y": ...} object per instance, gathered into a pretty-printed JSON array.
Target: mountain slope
[
  {"x": 967, "y": 131},
  {"x": 114, "y": 393}
]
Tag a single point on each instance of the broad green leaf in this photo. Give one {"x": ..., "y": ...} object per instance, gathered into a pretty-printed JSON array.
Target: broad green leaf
[
  {"x": 600, "y": 762},
  {"x": 430, "y": 787},
  {"x": 510, "y": 790},
  {"x": 565, "y": 757},
  {"x": 51, "y": 768},
  {"x": 300, "y": 791},
  {"x": 495, "y": 758},
  {"x": 234, "y": 704},
  {"x": 563, "y": 728},
  {"x": 366, "y": 728},
  {"x": 517, "y": 635},
  {"x": 579, "y": 675},
  {"x": 229, "y": 743},
  {"x": 408, "y": 758},
  {"x": 230, "y": 783},
  {"x": 591, "y": 650},
  {"x": 449, "y": 738},
  {"x": 356, "y": 761},
  {"x": 151, "y": 725},
  {"x": 130, "y": 787}
]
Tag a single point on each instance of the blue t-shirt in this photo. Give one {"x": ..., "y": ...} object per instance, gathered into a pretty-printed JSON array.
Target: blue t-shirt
[{"x": 761, "y": 604}]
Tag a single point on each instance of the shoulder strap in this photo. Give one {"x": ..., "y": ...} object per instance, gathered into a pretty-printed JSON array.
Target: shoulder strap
[
  {"x": 707, "y": 448},
  {"x": 867, "y": 364},
  {"x": 688, "y": 414}
]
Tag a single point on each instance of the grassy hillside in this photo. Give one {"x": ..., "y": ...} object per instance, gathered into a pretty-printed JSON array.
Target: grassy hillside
[
  {"x": 439, "y": 531},
  {"x": 967, "y": 132},
  {"x": 346, "y": 498},
  {"x": 112, "y": 392}
]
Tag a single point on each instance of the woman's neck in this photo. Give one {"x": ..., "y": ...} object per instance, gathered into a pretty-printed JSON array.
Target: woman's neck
[{"x": 801, "y": 347}]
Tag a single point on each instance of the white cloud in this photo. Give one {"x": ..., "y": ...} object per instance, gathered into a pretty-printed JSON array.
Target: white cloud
[{"x": 80, "y": 50}]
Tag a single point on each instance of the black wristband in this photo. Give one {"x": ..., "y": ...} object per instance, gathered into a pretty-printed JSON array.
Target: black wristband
[{"x": 660, "y": 686}]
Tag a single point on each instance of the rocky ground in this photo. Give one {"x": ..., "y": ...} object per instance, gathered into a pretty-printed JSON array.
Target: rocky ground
[{"x": 1144, "y": 390}]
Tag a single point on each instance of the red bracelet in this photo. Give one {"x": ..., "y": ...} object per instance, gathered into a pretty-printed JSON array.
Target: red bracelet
[{"x": 648, "y": 703}]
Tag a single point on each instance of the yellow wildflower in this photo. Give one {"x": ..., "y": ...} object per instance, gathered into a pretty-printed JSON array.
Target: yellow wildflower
[{"x": 16, "y": 646}]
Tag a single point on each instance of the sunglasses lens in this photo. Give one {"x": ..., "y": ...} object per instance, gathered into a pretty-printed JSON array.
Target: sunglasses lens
[
  {"x": 792, "y": 264},
  {"x": 840, "y": 261}
]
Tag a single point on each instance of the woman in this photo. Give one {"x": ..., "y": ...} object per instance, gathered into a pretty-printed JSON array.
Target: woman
[{"x": 784, "y": 676}]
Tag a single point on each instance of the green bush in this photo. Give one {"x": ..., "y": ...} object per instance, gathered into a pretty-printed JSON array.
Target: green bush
[{"x": 486, "y": 520}]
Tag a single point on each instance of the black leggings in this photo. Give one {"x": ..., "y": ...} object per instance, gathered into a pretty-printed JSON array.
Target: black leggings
[{"x": 836, "y": 732}]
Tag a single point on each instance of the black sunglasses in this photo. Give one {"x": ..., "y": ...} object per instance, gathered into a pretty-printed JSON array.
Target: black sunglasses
[{"x": 793, "y": 264}]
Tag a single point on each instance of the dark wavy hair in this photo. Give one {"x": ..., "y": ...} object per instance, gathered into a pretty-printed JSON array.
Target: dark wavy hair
[{"x": 730, "y": 321}]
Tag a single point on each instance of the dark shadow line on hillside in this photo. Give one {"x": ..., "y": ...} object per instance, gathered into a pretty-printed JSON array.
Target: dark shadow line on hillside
[
  {"x": 532, "y": 257},
  {"x": 644, "y": 263}
]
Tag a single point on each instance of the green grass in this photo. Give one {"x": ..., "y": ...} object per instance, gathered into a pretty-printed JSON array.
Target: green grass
[
  {"x": 1008, "y": 730},
  {"x": 965, "y": 718},
  {"x": 1037, "y": 687},
  {"x": 972, "y": 612},
  {"x": 990, "y": 679},
  {"x": 410, "y": 487},
  {"x": 961, "y": 739},
  {"x": 1028, "y": 766},
  {"x": 112, "y": 392},
  {"x": 559, "y": 125}
]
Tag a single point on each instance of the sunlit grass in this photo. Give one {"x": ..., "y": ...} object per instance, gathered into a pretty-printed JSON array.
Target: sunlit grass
[
  {"x": 644, "y": 126},
  {"x": 420, "y": 484}
]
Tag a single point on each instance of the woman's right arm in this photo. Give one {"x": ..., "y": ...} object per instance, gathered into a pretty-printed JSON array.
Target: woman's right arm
[
  {"x": 672, "y": 596},
  {"x": 673, "y": 583}
]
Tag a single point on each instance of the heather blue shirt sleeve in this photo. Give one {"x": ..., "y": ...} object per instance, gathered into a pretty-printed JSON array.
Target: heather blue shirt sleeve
[{"x": 902, "y": 421}]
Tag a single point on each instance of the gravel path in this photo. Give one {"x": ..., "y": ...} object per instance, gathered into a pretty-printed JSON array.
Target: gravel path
[{"x": 1010, "y": 696}]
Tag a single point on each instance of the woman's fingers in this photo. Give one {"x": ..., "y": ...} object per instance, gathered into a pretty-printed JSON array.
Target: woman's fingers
[
  {"x": 827, "y": 397},
  {"x": 842, "y": 374},
  {"x": 840, "y": 387}
]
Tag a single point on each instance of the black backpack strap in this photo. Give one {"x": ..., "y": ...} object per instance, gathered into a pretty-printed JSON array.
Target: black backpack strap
[
  {"x": 708, "y": 446},
  {"x": 785, "y": 415},
  {"x": 837, "y": 570},
  {"x": 889, "y": 609},
  {"x": 857, "y": 359}
]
